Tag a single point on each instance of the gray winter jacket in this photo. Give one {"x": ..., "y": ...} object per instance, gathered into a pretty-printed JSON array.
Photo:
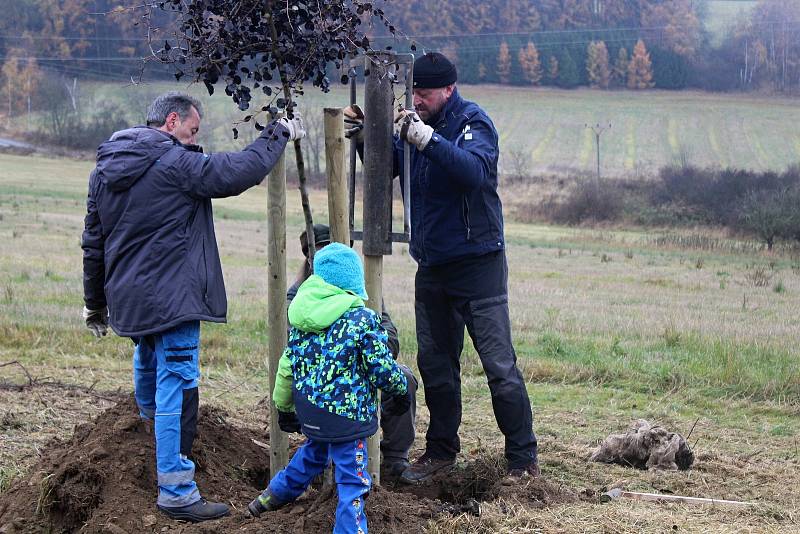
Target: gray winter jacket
[{"x": 149, "y": 249}]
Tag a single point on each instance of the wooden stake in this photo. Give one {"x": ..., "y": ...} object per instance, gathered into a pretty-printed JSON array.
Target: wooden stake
[
  {"x": 373, "y": 275},
  {"x": 378, "y": 150},
  {"x": 337, "y": 198},
  {"x": 337, "y": 179},
  {"x": 276, "y": 297}
]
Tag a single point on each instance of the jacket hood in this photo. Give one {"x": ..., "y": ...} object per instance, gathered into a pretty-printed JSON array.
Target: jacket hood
[
  {"x": 319, "y": 304},
  {"x": 128, "y": 154}
]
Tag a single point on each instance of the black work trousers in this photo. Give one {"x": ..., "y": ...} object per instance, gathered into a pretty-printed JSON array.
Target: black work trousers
[
  {"x": 472, "y": 292},
  {"x": 399, "y": 430}
]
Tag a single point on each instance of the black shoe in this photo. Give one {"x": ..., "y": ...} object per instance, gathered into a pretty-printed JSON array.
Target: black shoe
[
  {"x": 424, "y": 468},
  {"x": 266, "y": 502},
  {"x": 201, "y": 510},
  {"x": 397, "y": 467}
]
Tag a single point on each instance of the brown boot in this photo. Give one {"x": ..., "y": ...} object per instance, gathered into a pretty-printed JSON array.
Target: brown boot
[{"x": 424, "y": 468}]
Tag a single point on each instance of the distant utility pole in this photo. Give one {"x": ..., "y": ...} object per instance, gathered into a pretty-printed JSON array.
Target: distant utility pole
[{"x": 598, "y": 130}]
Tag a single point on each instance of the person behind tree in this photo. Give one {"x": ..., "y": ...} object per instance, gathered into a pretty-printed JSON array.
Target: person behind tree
[
  {"x": 327, "y": 384},
  {"x": 151, "y": 268}
]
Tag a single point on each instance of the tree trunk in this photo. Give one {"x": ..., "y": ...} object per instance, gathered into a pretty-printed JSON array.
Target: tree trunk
[{"x": 298, "y": 149}]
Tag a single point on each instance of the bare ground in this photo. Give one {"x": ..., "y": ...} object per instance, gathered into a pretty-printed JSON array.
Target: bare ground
[{"x": 101, "y": 478}]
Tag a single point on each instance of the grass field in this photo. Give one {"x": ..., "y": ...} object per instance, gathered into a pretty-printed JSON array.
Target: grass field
[
  {"x": 543, "y": 130},
  {"x": 609, "y": 327}
]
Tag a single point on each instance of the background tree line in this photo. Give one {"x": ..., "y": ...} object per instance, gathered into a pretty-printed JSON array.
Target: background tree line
[
  {"x": 48, "y": 49},
  {"x": 560, "y": 43},
  {"x": 566, "y": 43}
]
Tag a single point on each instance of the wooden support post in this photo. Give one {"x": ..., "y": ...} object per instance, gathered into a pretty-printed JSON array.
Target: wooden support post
[
  {"x": 337, "y": 199},
  {"x": 337, "y": 178},
  {"x": 378, "y": 151},
  {"x": 378, "y": 155},
  {"x": 373, "y": 278},
  {"x": 276, "y": 298}
]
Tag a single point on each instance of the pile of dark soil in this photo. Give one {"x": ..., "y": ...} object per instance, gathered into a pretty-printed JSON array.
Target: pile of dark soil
[{"x": 103, "y": 479}]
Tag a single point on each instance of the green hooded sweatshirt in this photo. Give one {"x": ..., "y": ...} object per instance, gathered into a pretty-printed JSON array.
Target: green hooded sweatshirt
[{"x": 316, "y": 306}]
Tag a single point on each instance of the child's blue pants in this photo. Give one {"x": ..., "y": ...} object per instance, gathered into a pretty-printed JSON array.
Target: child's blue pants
[
  {"x": 165, "y": 374},
  {"x": 352, "y": 479}
]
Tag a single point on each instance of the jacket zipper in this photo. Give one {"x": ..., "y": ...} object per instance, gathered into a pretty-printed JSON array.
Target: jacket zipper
[
  {"x": 205, "y": 269},
  {"x": 465, "y": 212}
]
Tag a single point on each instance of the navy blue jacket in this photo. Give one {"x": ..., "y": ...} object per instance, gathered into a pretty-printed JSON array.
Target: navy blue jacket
[
  {"x": 456, "y": 212},
  {"x": 149, "y": 249}
]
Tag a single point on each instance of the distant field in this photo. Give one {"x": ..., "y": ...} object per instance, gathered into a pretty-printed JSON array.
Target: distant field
[
  {"x": 546, "y": 127},
  {"x": 649, "y": 129}
]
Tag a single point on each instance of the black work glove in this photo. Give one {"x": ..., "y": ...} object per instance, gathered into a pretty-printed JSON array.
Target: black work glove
[
  {"x": 397, "y": 404},
  {"x": 354, "y": 123},
  {"x": 288, "y": 422},
  {"x": 96, "y": 321}
]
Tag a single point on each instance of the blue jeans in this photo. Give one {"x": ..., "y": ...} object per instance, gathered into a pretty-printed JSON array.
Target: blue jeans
[
  {"x": 352, "y": 479},
  {"x": 165, "y": 376}
]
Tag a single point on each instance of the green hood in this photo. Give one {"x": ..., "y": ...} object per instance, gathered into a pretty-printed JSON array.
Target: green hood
[{"x": 319, "y": 304}]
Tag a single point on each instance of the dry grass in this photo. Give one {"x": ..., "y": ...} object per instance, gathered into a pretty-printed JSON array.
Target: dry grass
[{"x": 647, "y": 334}]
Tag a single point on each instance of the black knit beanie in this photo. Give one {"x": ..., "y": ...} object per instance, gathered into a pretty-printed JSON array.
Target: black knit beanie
[{"x": 432, "y": 71}]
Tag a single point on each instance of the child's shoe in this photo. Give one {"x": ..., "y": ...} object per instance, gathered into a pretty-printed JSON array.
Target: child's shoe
[{"x": 266, "y": 502}]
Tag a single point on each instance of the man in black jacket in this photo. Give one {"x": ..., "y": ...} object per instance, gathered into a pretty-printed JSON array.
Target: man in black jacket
[
  {"x": 462, "y": 276},
  {"x": 152, "y": 269}
]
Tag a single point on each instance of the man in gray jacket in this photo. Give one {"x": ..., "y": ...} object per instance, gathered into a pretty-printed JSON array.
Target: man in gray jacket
[{"x": 152, "y": 270}]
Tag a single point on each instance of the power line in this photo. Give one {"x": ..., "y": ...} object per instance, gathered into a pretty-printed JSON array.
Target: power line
[
  {"x": 76, "y": 59},
  {"x": 81, "y": 70},
  {"x": 573, "y": 31},
  {"x": 68, "y": 38},
  {"x": 583, "y": 42},
  {"x": 426, "y": 36}
]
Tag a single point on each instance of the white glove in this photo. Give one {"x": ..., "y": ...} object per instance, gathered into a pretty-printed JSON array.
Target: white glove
[
  {"x": 354, "y": 123},
  {"x": 294, "y": 125},
  {"x": 412, "y": 129},
  {"x": 96, "y": 321}
]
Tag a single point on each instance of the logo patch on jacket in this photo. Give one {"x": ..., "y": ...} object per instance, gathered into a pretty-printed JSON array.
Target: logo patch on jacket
[{"x": 467, "y": 133}]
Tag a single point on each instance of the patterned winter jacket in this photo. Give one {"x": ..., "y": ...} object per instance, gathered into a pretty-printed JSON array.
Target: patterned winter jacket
[{"x": 335, "y": 361}]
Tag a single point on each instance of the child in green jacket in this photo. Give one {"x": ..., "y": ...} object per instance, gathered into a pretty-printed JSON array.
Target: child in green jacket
[{"x": 335, "y": 361}]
